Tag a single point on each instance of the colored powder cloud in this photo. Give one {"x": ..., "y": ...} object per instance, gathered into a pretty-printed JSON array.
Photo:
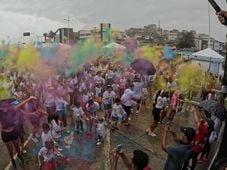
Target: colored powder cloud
[
  {"x": 189, "y": 75},
  {"x": 29, "y": 58}
]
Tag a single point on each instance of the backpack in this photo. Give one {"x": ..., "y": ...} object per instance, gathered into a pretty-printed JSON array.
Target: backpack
[{"x": 213, "y": 137}]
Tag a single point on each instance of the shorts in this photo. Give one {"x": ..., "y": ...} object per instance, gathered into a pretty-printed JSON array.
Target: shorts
[
  {"x": 9, "y": 136},
  {"x": 50, "y": 165},
  {"x": 127, "y": 110},
  {"x": 156, "y": 113},
  {"x": 115, "y": 119},
  {"x": 107, "y": 106}
]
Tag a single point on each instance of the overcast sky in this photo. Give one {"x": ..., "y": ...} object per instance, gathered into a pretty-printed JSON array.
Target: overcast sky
[{"x": 39, "y": 16}]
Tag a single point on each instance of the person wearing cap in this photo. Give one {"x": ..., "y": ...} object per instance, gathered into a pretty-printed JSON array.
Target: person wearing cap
[
  {"x": 199, "y": 139},
  {"x": 179, "y": 152},
  {"x": 139, "y": 160}
]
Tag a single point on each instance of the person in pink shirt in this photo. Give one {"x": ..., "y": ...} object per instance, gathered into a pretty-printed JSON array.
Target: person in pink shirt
[{"x": 174, "y": 102}]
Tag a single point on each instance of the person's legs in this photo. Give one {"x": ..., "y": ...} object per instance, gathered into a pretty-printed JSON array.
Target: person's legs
[
  {"x": 186, "y": 162},
  {"x": 17, "y": 147},
  {"x": 128, "y": 112},
  {"x": 138, "y": 106},
  {"x": 194, "y": 160}
]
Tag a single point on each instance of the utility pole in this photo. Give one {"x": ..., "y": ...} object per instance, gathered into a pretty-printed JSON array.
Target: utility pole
[
  {"x": 68, "y": 21},
  {"x": 208, "y": 44}
]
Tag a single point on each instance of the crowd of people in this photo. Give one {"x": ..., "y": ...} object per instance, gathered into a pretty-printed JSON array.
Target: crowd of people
[
  {"x": 91, "y": 100},
  {"x": 78, "y": 100}
]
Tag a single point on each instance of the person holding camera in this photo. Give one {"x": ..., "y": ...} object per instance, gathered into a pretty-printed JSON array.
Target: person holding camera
[
  {"x": 139, "y": 160},
  {"x": 179, "y": 152}
]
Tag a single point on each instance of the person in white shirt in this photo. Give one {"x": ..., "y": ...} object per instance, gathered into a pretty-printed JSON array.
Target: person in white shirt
[
  {"x": 46, "y": 134},
  {"x": 127, "y": 99},
  {"x": 156, "y": 114},
  {"x": 101, "y": 130},
  {"x": 92, "y": 109},
  {"x": 46, "y": 157},
  {"x": 108, "y": 98},
  {"x": 61, "y": 109},
  {"x": 50, "y": 104},
  {"x": 72, "y": 85},
  {"x": 98, "y": 79},
  {"x": 55, "y": 130},
  {"x": 138, "y": 91},
  {"x": 118, "y": 114},
  {"x": 78, "y": 116}
]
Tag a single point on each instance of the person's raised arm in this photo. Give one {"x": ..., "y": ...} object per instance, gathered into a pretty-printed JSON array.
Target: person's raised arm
[
  {"x": 25, "y": 101},
  {"x": 197, "y": 117},
  {"x": 125, "y": 160},
  {"x": 164, "y": 139},
  {"x": 114, "y": 161}
]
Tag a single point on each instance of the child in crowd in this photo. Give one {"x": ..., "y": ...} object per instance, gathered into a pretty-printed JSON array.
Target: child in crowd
[
  {"x": 118, "y": 114},
  {"x": 46, "y": 156},
  {"x": 78, "y": 117},
  {"x": 56, "y": 130},
  {"x": 61, "y": 106},
  {"x": 108, "y": 97},
  {"x": 46, "y": 134},
  {"x": 101, "y": 130},
  {"x": 92, "y": 108}
]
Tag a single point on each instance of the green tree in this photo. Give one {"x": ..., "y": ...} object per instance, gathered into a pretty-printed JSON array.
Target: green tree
[{"x": 186, "y": 40}]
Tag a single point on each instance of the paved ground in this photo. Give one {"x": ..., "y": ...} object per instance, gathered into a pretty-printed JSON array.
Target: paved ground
[{"x": 132, "y": 137}]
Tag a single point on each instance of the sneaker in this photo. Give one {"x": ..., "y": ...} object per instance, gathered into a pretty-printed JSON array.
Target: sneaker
[
  {"x": 148, "y": 130},
  {"x": 14, "y": 163},
  {"x": 24, "y": 151},
  {"x": 60, "y": 149},
  {"x": 152, "y": 134},
  {"x": 35, "y": 140},
  {"x": 98, "y": 143},
  {"x": 129, "y": 118}
]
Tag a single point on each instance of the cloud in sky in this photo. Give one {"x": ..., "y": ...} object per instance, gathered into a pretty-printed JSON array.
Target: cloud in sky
[{"x": 40, "y": 16}]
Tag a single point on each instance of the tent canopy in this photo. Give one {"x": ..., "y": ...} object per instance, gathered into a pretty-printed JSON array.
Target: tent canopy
[
  {"x": 208, "y": 55},
  {"x": 114, "y": 45}
]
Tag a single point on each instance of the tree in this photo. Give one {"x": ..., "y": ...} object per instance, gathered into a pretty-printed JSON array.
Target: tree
[
  {"x": 186, "y": 40},
  {"x": 45, "y": 36}
]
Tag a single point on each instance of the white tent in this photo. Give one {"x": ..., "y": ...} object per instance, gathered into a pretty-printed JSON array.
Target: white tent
[
  {"x": 209, "y": 60},
  {"x": 114, "y": 45},
  {"x": 113, "y": 48},
  {"x": 208, "y": 55}
]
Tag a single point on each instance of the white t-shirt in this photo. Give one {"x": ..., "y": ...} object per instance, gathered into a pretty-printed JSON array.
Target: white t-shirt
[
  {"x": 101, "y": 129},
  {"x": 48, "y": 155},
  {"x": 117, "y": 111},
  {"x": 72, "y": 84},
  {"x": 126, "y": 98},
  {"x": 93, "y": 108},
  {"x": 46, "y": 137},
  {"x": 98, "y": 91},
  {"x": 108, "y": 97},
  {"x": 138, "y": 88},
  {"x": 159, "y": 103},
  {"x": 77, "y": 112},
  {"x": 56, "y": 134},
  {"x": 50, "y": 100},
  {"x": 99, "y": 79},
  {"x": 60, "y": 104}
]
